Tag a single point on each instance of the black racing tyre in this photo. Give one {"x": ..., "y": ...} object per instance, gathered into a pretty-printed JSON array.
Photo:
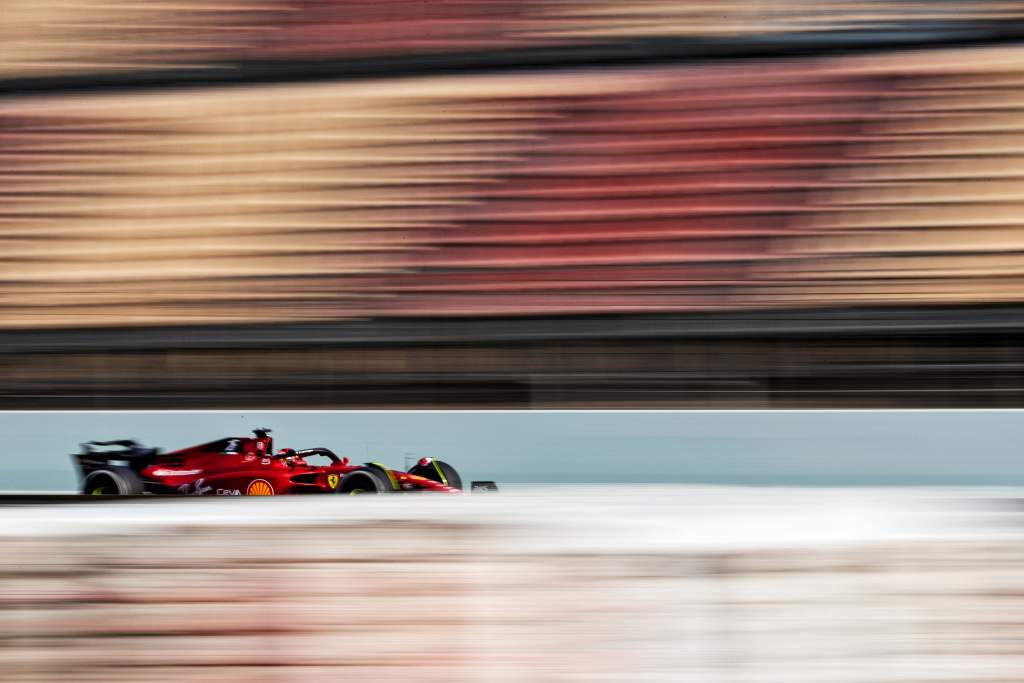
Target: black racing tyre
[
  {"x": 439, "y": 471},
  {"x": 113, "y": 481},
  {"x": 365, "y": 481}
]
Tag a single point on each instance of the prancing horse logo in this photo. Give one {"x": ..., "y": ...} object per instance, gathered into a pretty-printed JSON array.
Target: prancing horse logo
[{"x": 332, "y": 481}]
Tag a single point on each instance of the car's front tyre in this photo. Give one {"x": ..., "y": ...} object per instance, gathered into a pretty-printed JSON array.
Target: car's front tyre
[
  {"x": 364, "y": 482},
  {"x": 437, "y": 470}
]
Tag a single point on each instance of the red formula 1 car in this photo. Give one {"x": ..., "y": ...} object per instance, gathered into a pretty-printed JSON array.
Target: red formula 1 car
[{"x": 248, "y": 466}]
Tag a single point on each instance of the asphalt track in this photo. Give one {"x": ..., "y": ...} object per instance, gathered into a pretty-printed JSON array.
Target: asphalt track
[{"x": 627, "y": 515}]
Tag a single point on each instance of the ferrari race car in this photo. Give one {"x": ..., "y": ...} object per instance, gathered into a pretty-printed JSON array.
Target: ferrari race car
[{"x": 248, "y": 466}]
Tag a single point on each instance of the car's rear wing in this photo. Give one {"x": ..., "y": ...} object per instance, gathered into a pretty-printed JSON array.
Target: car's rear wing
[{"x": 118, "y": 453}]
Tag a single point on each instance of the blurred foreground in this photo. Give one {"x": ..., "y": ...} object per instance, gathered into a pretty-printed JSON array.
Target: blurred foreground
[{"x": 642, "y": 583}]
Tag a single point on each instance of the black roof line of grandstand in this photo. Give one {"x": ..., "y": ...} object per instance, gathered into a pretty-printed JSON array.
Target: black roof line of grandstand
[
  {"x": 847, "y": 322},
  {"x": 625, "y": 53}
]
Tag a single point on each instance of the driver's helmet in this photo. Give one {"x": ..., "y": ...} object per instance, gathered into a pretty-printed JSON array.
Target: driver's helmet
[{"x": 286, "y": 454}]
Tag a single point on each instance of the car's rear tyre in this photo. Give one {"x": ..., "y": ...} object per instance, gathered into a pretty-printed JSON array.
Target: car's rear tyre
[
  {"x": 439, "y": 471},
  {"x": 113, "y": 481},
  {"x": 368, "y": 481}
]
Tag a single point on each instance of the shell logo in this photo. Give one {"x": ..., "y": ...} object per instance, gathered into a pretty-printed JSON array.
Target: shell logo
[
  {"x": 332, "y": 481},
  {"x": 260, "y": 487}
]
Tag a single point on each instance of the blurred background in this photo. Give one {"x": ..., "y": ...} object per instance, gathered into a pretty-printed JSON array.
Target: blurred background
[{"x": 522, "y": 203}]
